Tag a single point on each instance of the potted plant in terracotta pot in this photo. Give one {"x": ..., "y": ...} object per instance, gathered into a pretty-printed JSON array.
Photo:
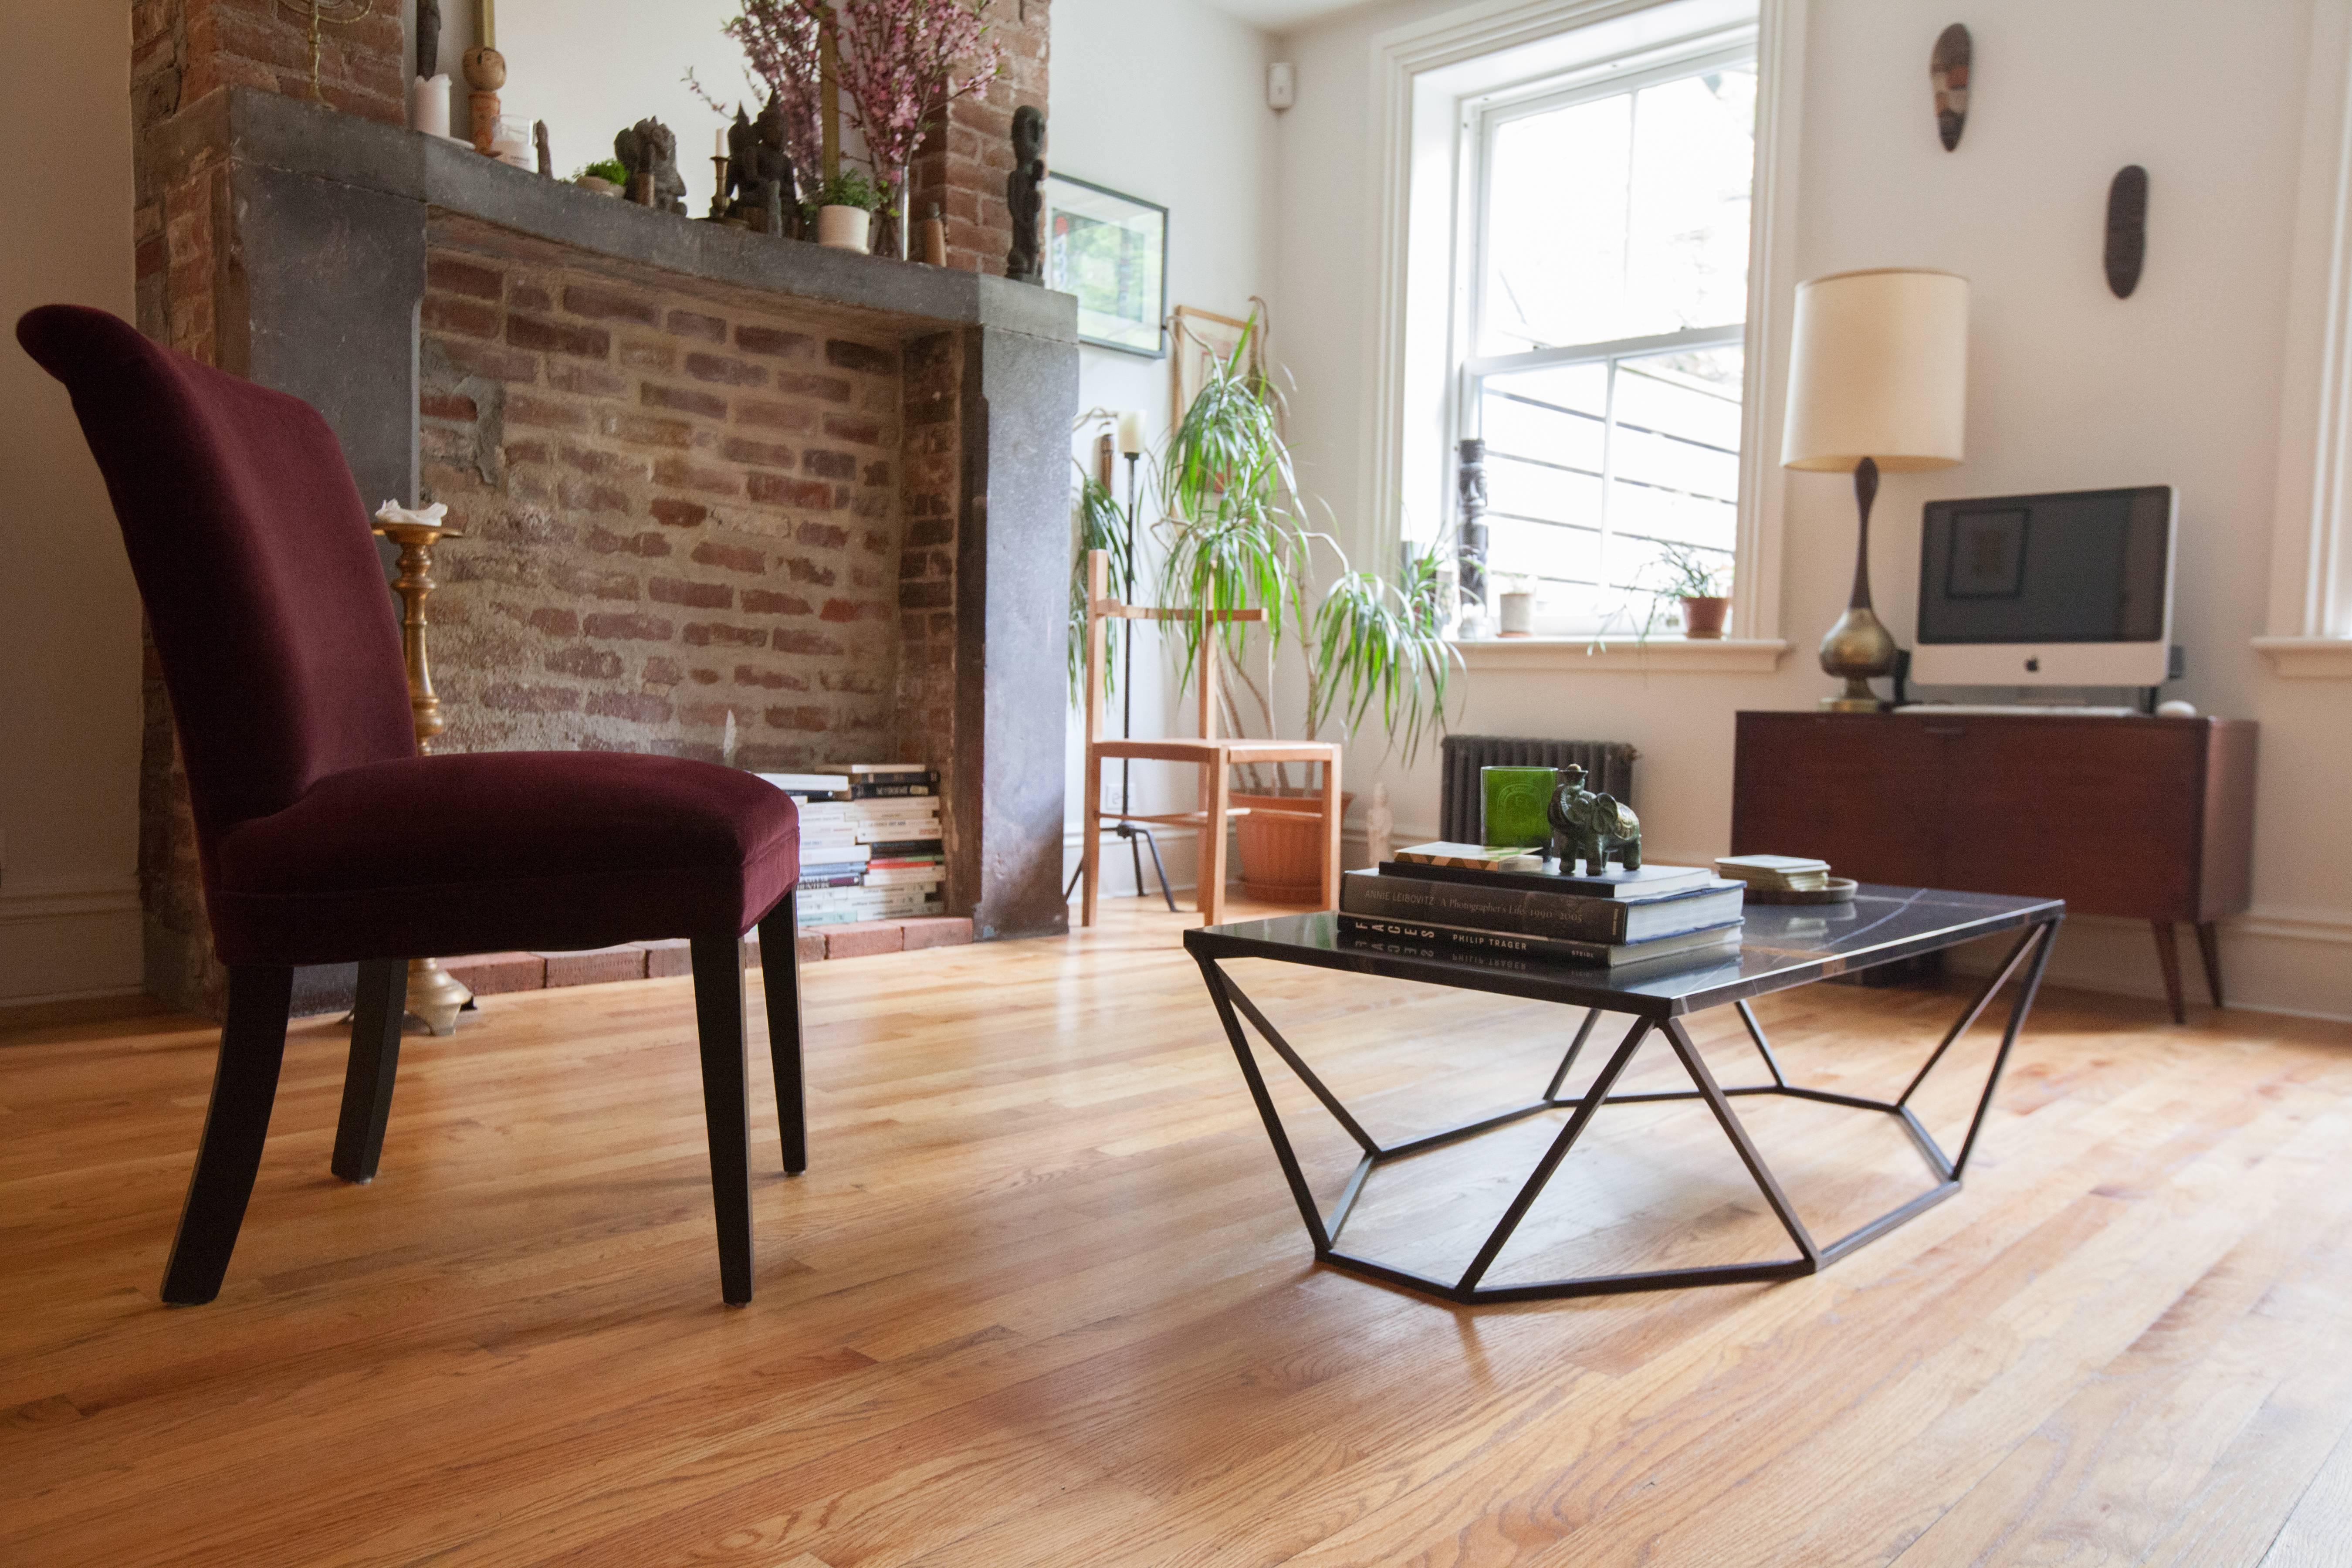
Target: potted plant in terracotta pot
[
  {"x": 1361, "y": 647},
  {"x": 1694, "y": 576}
]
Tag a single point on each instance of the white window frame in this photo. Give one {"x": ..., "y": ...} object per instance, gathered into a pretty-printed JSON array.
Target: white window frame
[
  {"x": 1482, "y": 116},
  {"x": 1422, "y": 72},
  {"x": 2309, "y": 628}
]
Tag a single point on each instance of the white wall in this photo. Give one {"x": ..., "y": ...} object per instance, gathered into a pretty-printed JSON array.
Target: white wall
[
  {"x": 68, "y": 615},
  {"x": 591, "y": 68},
  {"x": 2069, "y": 387},
  {"x": 1166, "y": 101}
]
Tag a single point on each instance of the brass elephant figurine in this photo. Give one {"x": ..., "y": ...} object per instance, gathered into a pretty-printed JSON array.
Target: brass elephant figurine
[{"x": 1587, "y": 826}]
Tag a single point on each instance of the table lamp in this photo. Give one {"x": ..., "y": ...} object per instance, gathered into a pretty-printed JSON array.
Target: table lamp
[{"x": 1878, "y": 378}]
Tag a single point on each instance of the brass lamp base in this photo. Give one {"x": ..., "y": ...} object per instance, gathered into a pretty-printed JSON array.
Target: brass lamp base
[
  {"x": 1859, "y": 646},
  {"x": 436, "y": 996}
]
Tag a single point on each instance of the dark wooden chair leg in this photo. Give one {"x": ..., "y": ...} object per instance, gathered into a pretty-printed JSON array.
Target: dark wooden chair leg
[
  {"x": 726, "y": 1105},
  {"x": 2167, "y": 953},
  {"x": 375, "y": 1057},
  {"x": 245, "y": 1084},
  {"x": 2209, "y": 948},
  {"x": 780, "y": 968}
]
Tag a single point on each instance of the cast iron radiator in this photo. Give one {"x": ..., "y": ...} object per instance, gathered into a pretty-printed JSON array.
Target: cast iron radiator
[{"x": 1608, "y": 766}]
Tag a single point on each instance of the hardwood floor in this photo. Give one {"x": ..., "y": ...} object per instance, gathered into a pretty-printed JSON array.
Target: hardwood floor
[{"x": 1042, "y": 1298}]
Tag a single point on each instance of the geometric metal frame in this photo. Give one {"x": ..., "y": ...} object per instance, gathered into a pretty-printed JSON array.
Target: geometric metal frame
[{"x": 1232, "y": 1005}]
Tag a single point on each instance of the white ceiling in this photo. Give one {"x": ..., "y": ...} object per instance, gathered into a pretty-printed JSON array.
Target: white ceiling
[{"x": 1280, "y": 16}]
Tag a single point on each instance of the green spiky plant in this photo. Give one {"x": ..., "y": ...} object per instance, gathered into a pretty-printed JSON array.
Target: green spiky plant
[{"x": 1236, "y": 535}]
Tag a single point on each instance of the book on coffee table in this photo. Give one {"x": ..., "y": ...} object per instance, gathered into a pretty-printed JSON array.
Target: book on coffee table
[
  {"x": 1476, "y": 864},
  {"x": 1426, "y": 938},
  {"x": 1499, "y": 905}
]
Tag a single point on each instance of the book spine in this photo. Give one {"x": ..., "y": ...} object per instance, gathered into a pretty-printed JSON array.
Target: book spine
[
  {"x": 887, "y": 791},
  {"x": 1522, "y": 913},
  {"x": 1440, "y": 942}
]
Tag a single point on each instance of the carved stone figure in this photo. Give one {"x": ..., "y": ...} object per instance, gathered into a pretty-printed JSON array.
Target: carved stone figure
[
  {"x": 546, "y": 154},
  {"x": 1024, "y": 192},
  {"x": 764, "y": 187},
  {"x": 428, "y": 37},
  {"x": 1586, "y": 826},
  {"x": 649, "y": 152}
]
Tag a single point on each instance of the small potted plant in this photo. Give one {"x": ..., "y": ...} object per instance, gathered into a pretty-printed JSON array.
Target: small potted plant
[
  {"x": 844, "y": 210},
  {"x": 1516, "y": 604},
  {"x": 1698, "y": 581},
  {"x": 606, "y": 177}
]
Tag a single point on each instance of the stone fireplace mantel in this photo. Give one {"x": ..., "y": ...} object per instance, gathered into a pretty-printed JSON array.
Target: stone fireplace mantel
[{"x": 320, "y": 230}]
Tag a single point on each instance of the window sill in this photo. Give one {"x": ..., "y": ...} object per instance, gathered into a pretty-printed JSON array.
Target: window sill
[
  {"x": 1659, "y": 655},
  {"x": 2320, "y": 659}
]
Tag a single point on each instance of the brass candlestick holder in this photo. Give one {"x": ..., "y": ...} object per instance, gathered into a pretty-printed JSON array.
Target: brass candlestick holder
[{"x": 435, "y": 995}]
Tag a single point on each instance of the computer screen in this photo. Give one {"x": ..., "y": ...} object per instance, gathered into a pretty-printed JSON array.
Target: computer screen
[{"x": 2087, "y": 566}]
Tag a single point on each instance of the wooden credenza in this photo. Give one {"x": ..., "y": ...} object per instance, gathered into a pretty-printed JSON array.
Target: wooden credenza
[{"x": 2149, "y": 819}]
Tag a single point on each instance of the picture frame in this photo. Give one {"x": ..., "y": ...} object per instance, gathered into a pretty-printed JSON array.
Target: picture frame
[
  {"x": 1110, "y": 250},
  {"x": 1197, "y": 337}
]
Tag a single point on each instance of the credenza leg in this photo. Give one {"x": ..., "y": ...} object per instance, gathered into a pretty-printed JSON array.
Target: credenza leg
[
  {"x": 2168, "y": 952},
  {"x": 2209, "y": 948}
]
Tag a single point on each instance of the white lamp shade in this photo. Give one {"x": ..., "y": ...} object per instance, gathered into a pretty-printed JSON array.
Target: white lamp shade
[{"x": 1878, "y": 368}]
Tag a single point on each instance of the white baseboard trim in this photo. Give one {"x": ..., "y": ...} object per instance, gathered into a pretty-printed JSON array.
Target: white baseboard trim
[
  {"x": 57, "y": 902},
  {"x": 68, "y": 942}
]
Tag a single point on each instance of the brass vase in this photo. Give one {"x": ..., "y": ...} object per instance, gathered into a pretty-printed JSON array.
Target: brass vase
[{"x": 1859, "y": 648}]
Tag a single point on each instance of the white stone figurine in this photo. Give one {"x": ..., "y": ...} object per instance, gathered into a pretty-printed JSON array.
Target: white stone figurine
[{"x": 1380, "y": 826}]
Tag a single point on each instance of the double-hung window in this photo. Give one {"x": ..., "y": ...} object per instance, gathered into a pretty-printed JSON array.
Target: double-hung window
[{"x": 1604, "y": 355}]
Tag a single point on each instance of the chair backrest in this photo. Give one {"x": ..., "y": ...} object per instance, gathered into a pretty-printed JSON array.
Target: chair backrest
[
  {"x": 253, "y": 554},
  {"x": 1101, "y": 609}
]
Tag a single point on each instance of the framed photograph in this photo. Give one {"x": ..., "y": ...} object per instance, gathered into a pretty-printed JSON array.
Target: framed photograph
[
  {"x": 1199, "y": 337},
  {"x": 1111, "y": 251}
]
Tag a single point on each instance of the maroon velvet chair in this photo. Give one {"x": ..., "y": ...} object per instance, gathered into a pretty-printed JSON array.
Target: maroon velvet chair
[{"x": 325, "y": 838}]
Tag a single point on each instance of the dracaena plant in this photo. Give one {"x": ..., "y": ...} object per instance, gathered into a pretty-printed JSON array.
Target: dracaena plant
[{"x": 1236, "y": 535}]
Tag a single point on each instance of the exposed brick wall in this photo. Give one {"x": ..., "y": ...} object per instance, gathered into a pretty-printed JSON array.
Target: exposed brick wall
[
  {"x": 964, "y": 172},
  {"x": 183, "y": 51},
  {"x": 677, "y": 508}
]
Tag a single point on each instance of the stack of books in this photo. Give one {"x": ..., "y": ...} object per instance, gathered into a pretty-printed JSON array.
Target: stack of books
[
  {"x": 1775, "y": 873},
  {"x": 1464, "y": 901},
  {"x": 871, "y": 848}
]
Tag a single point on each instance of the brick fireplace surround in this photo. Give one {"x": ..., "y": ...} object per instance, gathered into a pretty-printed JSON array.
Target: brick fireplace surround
[{"x": 704, "y": 476}]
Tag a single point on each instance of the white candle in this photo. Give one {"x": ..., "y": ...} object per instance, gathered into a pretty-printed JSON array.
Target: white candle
[
  {"x": 428, "y": 105},
  {"x": 720, "y": 150},
  {"x": 1130, "y": 433}
]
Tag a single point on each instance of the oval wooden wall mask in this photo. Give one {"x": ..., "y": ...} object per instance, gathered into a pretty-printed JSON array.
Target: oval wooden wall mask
[
  {"x": 2126, "y": 229},
  {"x": 1947, "y": 68}
]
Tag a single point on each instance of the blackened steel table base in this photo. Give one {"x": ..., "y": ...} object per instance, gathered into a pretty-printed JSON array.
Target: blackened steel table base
[{"x": 2031, "y": 953}]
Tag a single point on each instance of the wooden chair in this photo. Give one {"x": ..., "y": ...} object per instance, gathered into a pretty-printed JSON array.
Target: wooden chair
[{"x": 1214, "y": 756}]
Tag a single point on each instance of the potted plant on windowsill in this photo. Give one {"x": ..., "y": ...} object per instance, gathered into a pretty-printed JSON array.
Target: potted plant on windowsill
[
  {"x": 1700, "y": 584},
  {"x": 1514, "y": 606},
  {"x": 1235, "y": 535}
]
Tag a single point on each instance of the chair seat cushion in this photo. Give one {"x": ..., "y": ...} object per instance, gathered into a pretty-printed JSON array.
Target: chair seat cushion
[{"x": 428, "y": 856}]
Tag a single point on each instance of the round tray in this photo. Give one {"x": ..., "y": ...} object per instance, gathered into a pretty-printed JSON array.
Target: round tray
[{"x": 1839, "y": 891}]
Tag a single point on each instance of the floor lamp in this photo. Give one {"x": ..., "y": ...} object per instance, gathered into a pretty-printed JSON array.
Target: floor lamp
[{"x": 1878, "y": 379}]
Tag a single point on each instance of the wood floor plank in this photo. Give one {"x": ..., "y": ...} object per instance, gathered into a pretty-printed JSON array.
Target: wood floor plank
[{"x": 1043, "y": 1297}]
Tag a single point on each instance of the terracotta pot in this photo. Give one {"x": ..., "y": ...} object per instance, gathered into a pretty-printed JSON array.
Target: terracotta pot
[
  {"x": 843, "y": 228},
  {"x": 1705, "y": 618},
  {"x": 1282, "y": 856}
]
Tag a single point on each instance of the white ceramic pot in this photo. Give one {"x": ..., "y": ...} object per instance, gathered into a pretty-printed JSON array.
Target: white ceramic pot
[
  {"x": 1519, "y": 612},
  {"x": 843, "y": 228}
]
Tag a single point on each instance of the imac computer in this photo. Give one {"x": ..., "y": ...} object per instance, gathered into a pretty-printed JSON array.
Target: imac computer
[{"x": 2072, "y": 589}]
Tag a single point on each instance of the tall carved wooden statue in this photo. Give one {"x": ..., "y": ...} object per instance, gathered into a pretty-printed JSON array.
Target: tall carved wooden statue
[{"x": 1024, "y": 192}]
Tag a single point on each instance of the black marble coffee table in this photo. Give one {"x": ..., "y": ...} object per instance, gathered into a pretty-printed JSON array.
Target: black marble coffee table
[{"x": 1782, "y": 947}]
